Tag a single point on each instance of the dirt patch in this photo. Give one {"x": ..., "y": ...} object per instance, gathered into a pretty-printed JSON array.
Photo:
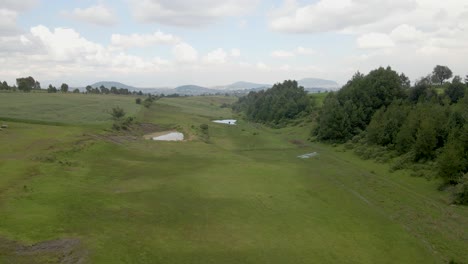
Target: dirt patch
[
  {"x": 64, "y": 251},
  {"x": 298, "y": 143},
  {"x": 147, "y": 128}
]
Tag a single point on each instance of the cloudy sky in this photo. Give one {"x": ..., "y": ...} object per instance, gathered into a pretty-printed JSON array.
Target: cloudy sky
[{"x": 157, "y": 43}]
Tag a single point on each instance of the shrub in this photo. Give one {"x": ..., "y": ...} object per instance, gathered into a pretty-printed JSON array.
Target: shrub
[{"x": 461, "y": 191}]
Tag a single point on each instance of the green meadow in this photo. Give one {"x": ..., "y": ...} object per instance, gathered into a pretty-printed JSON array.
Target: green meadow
[{"x": 239, "y": 194}]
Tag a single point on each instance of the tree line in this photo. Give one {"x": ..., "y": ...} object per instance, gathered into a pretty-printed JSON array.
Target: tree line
[
  {"x": 422, "y": 126},
  {"x": 275, "y": 106},
  {"x": 29, "y": 84}
]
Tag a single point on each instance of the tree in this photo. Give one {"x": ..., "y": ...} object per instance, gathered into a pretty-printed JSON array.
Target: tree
[
  {"x": 334, "y": 122},
  {"x": 117, "y": 113},
  {"x": 358, "y": 100},
  {"x": 26, "y": 84},
  {"x": 89, "y": 89},
  {"x": 37, "y": 85},
  {"x": 284, "y": 101},
  {"x": 456, "y": 90},
  {"x": 405, "y": 81},
  {"x": 64, "y": 88},
  {"x": 120, "y": 122},
  {"x": 440, "y": 74},
  {"x": 51, "y": 89},
  {"x": 4, "y": 86},
  {"x": 76, "y": 90}
]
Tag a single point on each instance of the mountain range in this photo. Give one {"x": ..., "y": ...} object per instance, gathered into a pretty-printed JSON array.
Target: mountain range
[{"x": 312, "y": 85}]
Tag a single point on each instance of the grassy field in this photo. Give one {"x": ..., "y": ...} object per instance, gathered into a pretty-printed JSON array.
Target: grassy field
[
  {"x": 242, "y": 197},
  {"x": 63, "y": 108}
]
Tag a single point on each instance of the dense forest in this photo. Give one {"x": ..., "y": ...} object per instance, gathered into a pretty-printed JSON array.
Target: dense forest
[
  {"x": 422, "y": 127},
  {"x": 275, "y": 106}
]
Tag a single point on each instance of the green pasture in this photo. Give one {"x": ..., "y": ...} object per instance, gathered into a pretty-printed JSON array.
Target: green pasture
[
  {"x": 60, "y": 108},
  {"x": 242, "y": 196}
]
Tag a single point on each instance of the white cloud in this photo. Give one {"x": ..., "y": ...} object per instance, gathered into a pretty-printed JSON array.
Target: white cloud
[
  {"x": 9, "y": 11},
  {"x": 285, "y": 67},
  {"x": 217, "y": 56},
  {"x": 243, "y": 23},
  {"x": 334, "y": 15},
  {"x": 406, "y": 33},
  {"x": 64, "y": 44},
  {"x": 183, "y": 52},
  {"x": 296, "y": 52},
  {"x": 97, "y": 15},
  {"x": 305, "y": 51},
  {"x": 282, "y": 54},
  {"x": 63, "y": 53},
  {"x": 189, "y": 13},
  {"x": 235, "y": 53},
  {"x": 262, "y": 66},
  {"x": 8, "y": 22},
  {"x": 143, "y": 40},
  {"x": 375, "y": 41},
  {"x": 16, "y": 5}
]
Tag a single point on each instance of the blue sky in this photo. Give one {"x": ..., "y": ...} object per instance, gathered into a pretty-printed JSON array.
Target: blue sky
[{"x": 161, "y": 43}]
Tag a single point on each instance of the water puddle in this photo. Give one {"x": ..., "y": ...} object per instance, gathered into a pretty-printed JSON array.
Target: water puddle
[
  {"x": 308, "y": 155},
  {"x": 226, "y": 121},
  {"x": 165, "y": 136}
]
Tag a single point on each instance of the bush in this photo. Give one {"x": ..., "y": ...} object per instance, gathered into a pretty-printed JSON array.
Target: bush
[
  {"x": 204, "y": 136},
  {"x": 120, "y": 122},
  {"x": 461, "y": 191},
  {"x": 138, "y": 101}
]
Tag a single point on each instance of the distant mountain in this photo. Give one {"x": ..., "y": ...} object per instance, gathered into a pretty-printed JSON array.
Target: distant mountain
[
  {"x": 244, "y": 86},
  {"x": 312, "y": 85},
  {"x": 309, "y": 83},
  {"x": 109, "y": 84},
  {"x": 194, "y": 90}
]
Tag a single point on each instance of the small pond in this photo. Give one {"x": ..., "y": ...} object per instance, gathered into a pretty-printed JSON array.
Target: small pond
[
  {"x": 173, "y": 136},
  {"x": 226, "y": 121}
]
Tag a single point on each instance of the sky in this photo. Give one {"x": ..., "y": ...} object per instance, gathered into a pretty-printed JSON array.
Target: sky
[{"x": 166, "y": 43}]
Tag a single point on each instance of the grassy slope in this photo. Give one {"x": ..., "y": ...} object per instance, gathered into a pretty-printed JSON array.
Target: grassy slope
[
  {"x": 243, "y": 198},
  {"x": 63, "y": 108}
]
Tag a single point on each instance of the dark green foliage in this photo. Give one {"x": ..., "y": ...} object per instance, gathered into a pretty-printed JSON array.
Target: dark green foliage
[
  {"x": 204, "y": 135},
  {"x": 275, "y": 106},
  {"x": 423, "y": 131},
  {"x": 440, "y": 74},
  {"x": 461, "y": 191},
  {"x": 138, "y": 101},
  {"x": 149, "y": 100},
  {"x": 386, "y": 122},
  {"x": 333, "y": 121},
  {"x": 120, "y": 121},
  {"x": 76, "y": 91},
  {"x": 117, "y": 113},
  {"x": 4, "y": 86},
  {"x": 26, "y": 84},
  {"x": 426, "y": 140},
  {"x": 453, "y": 161},
  {"x": 51, "y": 89},
  {"x": 456, "y": 90},
  {"x": 64, "y": 88},
  {"x": 422, "y": 92},
  {"x": 204, "y": 127},
  {"x": 357, "y": 101}
]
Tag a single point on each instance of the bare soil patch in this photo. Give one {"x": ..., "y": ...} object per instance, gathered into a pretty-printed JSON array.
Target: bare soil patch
[{"x": 64, "y": 251}]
